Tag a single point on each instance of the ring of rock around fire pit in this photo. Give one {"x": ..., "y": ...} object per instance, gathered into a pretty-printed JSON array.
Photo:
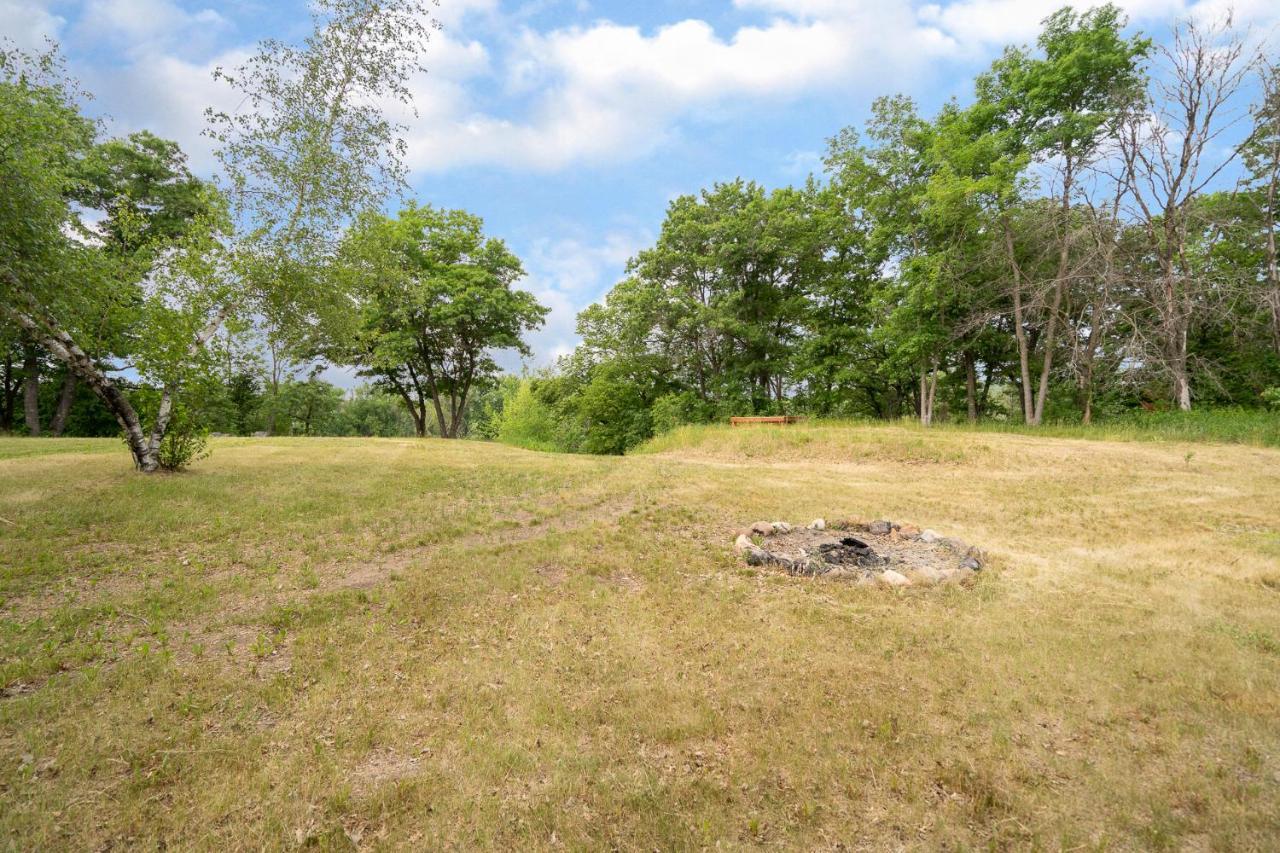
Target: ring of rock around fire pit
[{"x": 866, "y": 552}]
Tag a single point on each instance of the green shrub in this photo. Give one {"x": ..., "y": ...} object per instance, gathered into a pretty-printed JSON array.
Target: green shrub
[
  {"x": 676, "y": 410},
  {"x": 528, "y": 422},
  {"x": 184, "y": 442},
  {"x": 1271, "y": 397}
]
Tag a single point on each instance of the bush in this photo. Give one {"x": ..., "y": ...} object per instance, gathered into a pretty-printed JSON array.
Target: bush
[
  {"x": 184, "y": 442},
  {"x": 368, "y": 412},
  {"x": 528, "y": 422},
  {"x": 677, "y": 410}
]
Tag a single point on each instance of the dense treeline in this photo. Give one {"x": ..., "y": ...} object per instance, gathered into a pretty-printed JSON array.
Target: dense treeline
[{"x": 1093, "y": 232}]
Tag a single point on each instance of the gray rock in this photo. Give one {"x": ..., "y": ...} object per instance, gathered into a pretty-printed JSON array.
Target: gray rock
[
  {"x": 743, "y": 544},
  {"x": 891, "y": 578},
  {"x": 818, "y": 524},
  {"x": 972, "y": 563},
  {"x": 781, "y": 527},
  {"x": 928, "y": 574},
  {"x": 930, "y": 536},
  {"x": 880, "y": 528}
]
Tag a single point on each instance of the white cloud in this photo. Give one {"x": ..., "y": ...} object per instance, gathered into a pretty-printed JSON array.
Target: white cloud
[
  {"x": 610, "y": 92},
  {"x": 27, "y": 24},
  {"x": 577, "y": 265},
  {"x": 145, "y": 26},
  {"x": 168, "y": 96},
  {"x": 568, "y": 273},
  {"x": 979, "y": 25},
  {"x": 802, "y": 163}
]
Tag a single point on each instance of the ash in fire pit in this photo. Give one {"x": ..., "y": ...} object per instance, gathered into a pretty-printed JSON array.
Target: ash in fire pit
[
  {"x": 881, "y": 551},
  {"x": 850, "y": 551}
]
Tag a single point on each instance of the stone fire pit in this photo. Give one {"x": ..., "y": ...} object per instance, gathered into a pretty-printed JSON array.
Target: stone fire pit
[{"x": 866, "y": 552}]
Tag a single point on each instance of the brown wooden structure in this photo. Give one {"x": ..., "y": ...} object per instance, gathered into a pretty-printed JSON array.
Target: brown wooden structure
[{"x": 770, "y": 420}]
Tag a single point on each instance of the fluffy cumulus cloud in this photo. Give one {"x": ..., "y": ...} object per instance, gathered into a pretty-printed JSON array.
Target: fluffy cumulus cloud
[
  {"x": 27, "y": 23},
  {"x": 168, "y": 95},
  {"x": 143, "y": 27},
  {"x": 608, "y": 92},
  {"x": 501, "y": 92}
]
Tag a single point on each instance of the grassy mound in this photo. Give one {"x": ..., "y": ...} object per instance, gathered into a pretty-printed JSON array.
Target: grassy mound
[{"x": 907, "y": 441}]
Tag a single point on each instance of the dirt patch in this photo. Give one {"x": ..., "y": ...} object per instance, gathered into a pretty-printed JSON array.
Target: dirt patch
[
  {"x": 382, "y": 767},
  {"x": 553, "y": 573}
]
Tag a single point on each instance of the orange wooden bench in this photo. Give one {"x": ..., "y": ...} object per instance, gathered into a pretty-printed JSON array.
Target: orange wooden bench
[{"x": 781, "y": 420}]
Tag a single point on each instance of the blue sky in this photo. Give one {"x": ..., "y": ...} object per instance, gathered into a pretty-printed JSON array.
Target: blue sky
[{"x": 570, "y": 124}]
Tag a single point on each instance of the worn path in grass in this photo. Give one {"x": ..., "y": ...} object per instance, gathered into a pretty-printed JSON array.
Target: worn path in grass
[{"x": 385, "y": 643}]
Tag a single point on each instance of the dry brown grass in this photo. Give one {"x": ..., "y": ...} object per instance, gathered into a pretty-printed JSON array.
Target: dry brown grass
[{"x": 396, "y": 643}]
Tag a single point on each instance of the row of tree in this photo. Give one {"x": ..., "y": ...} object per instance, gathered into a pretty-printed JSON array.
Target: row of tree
[{"x": 1095, "y": 229}]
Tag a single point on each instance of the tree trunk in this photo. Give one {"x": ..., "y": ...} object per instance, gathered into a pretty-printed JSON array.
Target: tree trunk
[
  {"x": 10, "y": 395},
  {"x": 31, "y": 388},
  {"x": 1047, "y": 365},
  {"x": 971, "y": 386},
  {"x": 146, "y": 452},
  {"x": 65, "y": 399},
  {"x": 416, "y": 411},
  {"x": 65, "y": 349},
  {"x": 1090, "y": 355},
  {"x": 1019, "y": 333},
  {"x": 1181, "y": 380},
  {"x": 928, "y": 390}
]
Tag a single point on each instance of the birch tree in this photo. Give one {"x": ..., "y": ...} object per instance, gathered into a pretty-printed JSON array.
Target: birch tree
[{"x": 310, "y": 147}]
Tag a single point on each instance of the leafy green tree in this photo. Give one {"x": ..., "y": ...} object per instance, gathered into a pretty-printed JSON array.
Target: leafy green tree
[
  {"x": 369, "y": 411},
  {"x": 435, "y": 297},
  {"x": 244, "y": 395},
  {"x": 527, "y": 421},
  {"x": 310, "y": 405},
  {"x": 309, "y": 149},
  {"x": 1059, "y": 108}
]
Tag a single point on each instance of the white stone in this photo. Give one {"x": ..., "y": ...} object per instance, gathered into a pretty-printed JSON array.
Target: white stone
[
  {"x": 781, "y": 527},
  {"x": 818, "y": 524},
  {"x": 930, "y": 536},
  {"x": 892, "y": 578}
]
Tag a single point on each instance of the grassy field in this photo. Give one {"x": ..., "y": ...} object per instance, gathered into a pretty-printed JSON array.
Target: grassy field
[{"x": 388, "y": 643}]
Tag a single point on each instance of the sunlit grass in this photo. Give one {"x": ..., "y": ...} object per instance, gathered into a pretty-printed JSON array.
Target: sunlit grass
[
  {"x": 1226, "y": 426},
  {"x": 430, "y": 644}
]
